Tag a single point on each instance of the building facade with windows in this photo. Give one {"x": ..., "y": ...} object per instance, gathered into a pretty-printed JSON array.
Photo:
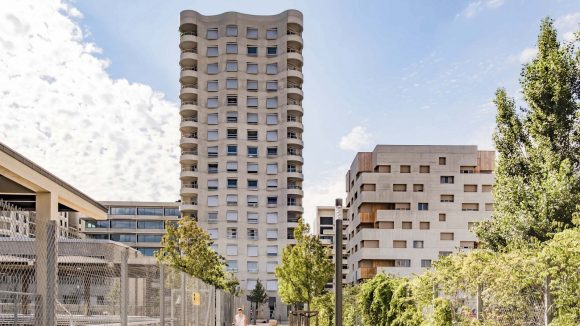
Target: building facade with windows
[
  {"x": 325, "y": 228},
  {"x": 409, "y": 205},
  {"x": 241, "y": 136},
  {"x": 137, "y": 224}
]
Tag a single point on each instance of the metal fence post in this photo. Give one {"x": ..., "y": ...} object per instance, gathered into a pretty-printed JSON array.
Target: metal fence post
[
  {"x": 183, "y": 299},
  {"x": 124, "y": 286},
  {"x": 162, "y": 294}
]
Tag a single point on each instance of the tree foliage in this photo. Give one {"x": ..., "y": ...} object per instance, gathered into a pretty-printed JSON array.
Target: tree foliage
[
  {"x": 537, "y": 188},
  {"x": 187, "y": 247},
  {"x": 305, "y": 268}
]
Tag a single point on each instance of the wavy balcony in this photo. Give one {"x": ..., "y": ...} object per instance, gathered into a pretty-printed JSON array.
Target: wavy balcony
[
  {"x": 188, "y": 75},
  {"x": 188, "y": 40},
  {"x": 188, "y": 57}
]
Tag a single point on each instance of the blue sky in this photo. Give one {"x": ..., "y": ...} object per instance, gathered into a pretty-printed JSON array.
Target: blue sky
[{"x": 376, "y": 72}]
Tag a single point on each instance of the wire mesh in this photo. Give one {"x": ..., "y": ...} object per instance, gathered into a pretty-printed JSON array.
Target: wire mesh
[{"x": 50, "y": 275}]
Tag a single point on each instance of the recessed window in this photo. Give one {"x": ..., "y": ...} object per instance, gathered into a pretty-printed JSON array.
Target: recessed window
[
  {"x": 252, "y": 234},
  {"x": 272, "y": 183},
  {"x": 212, "y": 102},
  {"x": 272, "y": 33},
  {"x": 252, "y": 151},
  {"x": 232, "y": 66},
  {"x": 447, "y": 198},
  {"x": 212, "y": 217},
  {"x": 272, "y": 251},
  {"x": 442, "y": 161},
  {"x": 232, "y": 200},
  {"x": 231, "y": 83},
  {"x": 417, "y": 188},
  {"x": 272, "y": 50},
  {"x": 232, "y": 250},
  {"x": 232, "y": 100},
  {"x": 424, "y": 225},
  {"x": 446, "y": 236},
  {"x": 231, "y": 30},
  {"x": 253, "y": 201},
  {"x": 470, "y": 188},
  {"x": 212, "y": 51},
  {"x": 213, "y": 233},
  {"x": 252, "y": 251},
  {"x": 426, "y": 263},
  {"x": 212, "y": 201},
  {"x": 383, "y": 169},
  {"x": 272, "y": 168},
  {"x": 272, "y": 68},
  {"x": 272, "y": 151},
  {"x": 252, "y": 33},
  {"x": 252, "y": 85},
  {"x": 252, "y": 68},
  {"x": 232, "y": 216},
  {"x": 231, "y": 48},
  {"x": 232, "y": 150},
  {"x": 272, "y": 135},
  {"x": 399, "y": 244},
  {"x": 272, "y": 85},
  {"x": 272, "y": 119},
  {"x": 423, "y": 206},
  {"x": 212, "y": 135},
  {"x": 402, "y": 263},
  {"x": 488, "y": 207},
  {"x": 486, "y": 188},
  {"x": 447, "y": 179},
  {"x": 271, "y": 102},
  {"x": 212, "y": 119},
  {"x": 212, "y": 68},
  {"x": 212, "y": 168},
  {"x": 232, "y": 116},
  {"x": 212, "y": 85},
  {"x": 467, "y": 169},
  {"x": 252, "y": 50},
  {"x": 252, "y": 218},
  {"x": 272, "y": 218},
  {"x": 387, "y": 225},
  {"x": 272, "y": 234},
  {"x": 418, "y": 244},
  {"x": 470, "y": 207},
  {"x": 252, "y": 184},
  {"x": 442, "y": 217},
  {"x": 252, "y": 135},
  {"x": 424, "y": 169},
  {"x": 212, "y": 151},
  {"x": 212, "y": 184},
  {"x": 252, "y": 118},
  {"x": 252, "y": 102},
  {"x": 212, "y": 34},
  {"x": 232, "y": 166},
  {"x": 232, "y": 233},
  {"x": 399, "y": 187},
  {"x": 232, "y": 183},
  {"x": 406, "y": 225},
  {"x": 252, "y": 167},
  {"x": 232, "y": 133},
  {"x": 405, "y": 169}
]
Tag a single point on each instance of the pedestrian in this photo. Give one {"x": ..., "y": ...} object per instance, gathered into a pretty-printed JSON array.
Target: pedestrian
[{"x": 240, "y": 319}]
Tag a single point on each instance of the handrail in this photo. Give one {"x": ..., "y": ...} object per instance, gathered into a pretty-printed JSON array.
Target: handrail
[
  {"x": 294, "y": 102},
  {"x": 192, "y": 50},
  {"x": 188, "y": 86},
  {"x": 293, "y": 50},
  {"x": 191, "y": 135},
  {"x": 188, "y": 33},
  {"x": 194, "y": 68},
  {"x": 189, "y": 102},
  {"x": 294, "y": 85},
  {"x": 189, "y": 153},
  {"x": 194, "y": 119},
  {"x": 294, "y": 67}
]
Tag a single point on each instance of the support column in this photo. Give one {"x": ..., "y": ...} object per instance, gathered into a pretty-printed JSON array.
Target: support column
[
  {"x": 338, "y": 263},
  {"x": 124, "y": 286},
  {"x": 46, "y": 262}
]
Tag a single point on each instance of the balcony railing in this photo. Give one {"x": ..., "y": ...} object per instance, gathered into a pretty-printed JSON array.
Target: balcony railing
[
  {"x": 191, "y": 135},
  {"x": 293, "y": 50},
  {"x": 194, "y": 68},
  {"x": 193, "y": 152},
  {"x": 192, "y": 50},
  {"x": 294, "y": 67},
  {"x": 292, "y": 219},
  {"x": 294, "y": 85},
  {"x": 188, "y": 33},
  {"x": 290, "y": 31},
  {"x": 190, "y": 185},
  {"x": 184, "y": 119},
  {"x": 188, "y": 102},
  {"x": 292, "y": 118},
  {"x": 194, "y": 85},
  {"x": 192, "y": 168},
  {"x": 294, "y": 136},
  {"x": 294, "y": 102},
  {"x": 291, "y": 186}
]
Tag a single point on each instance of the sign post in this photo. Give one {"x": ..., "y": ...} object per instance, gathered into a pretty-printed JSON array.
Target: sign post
[{"x": 338, "y": 263}]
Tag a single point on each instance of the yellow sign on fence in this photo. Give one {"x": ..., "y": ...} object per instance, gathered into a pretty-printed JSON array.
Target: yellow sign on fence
[{"x": 196, "y": 298}]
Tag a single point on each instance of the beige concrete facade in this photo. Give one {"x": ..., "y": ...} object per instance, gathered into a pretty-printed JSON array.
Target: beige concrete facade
[
  {"x": 408, "y": 205},
  {"x": 325, "y": 228},
  {"x": 241, "y": 92}
]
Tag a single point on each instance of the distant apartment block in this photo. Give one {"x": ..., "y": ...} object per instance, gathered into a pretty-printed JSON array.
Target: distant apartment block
[
  {"x": 325, "y": 229},
  {"x": 137, "y": 224},
  {"x": 410, "y": 205},
  {"x": 241, "y": 136}
]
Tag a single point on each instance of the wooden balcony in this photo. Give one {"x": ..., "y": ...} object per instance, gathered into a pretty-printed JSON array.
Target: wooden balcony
[
  {"x": 367, "y": 217},
  {"x": 367, "y": 272}
]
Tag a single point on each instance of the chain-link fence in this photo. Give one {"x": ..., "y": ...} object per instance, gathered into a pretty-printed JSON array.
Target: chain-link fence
[{"x": 47, "y": 279}]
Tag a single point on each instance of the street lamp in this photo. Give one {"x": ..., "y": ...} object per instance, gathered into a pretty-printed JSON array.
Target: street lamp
[{"x": 338, "y": 262}]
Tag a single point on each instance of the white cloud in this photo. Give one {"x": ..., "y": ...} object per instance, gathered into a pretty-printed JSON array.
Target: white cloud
[
  {"x": 328, "y": 186},
  {"x": 567, "y": 25},
  {"x": 112, "y": 139},
  {"x": 527, "y": 55},
  {"x": 474, "y": 7},
  {"x": 356, "y": 139}
]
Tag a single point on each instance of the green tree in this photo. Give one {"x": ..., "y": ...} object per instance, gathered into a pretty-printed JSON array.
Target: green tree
[
  {"x": 258, "y": 296},
  {"x": 537, "y": 187},
  {"x": 324, "y": 304},
  {"x": 305, "y": 268},
  {"x": 187, "y": 247}
]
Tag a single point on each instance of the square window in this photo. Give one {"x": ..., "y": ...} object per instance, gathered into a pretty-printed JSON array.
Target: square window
[
  {"x": 232, "y": 183},
  {"x": 442, "y": 217},
  {"x": 232, "y": 265},
  {"x": 272, "y": 183},
  {"x": 252, "y": 51},
  {"x": 212, "y": 168},
  {"x": 232, "y": 133},
  {"x": 231, "y": 30},
  {"x": 212, "y": 151},
  {"x": 252, "y": 151},
  {"x": 212, "y": 184},
  {"x": 231, "y": 48},
  {"x": 424, "y": 169},
  {"x": 232, "y": 66},
  {"x": 212, "y": 51},
  {"x": 272, "y": 119},
  {"x": 232, "y": 150},
  {"x": 252, "y": 86},
  {"x": 252, "y": 68},
  {"x": 212, "y": 119},
  {"x": 272, "y": 218},
  {"x": 232, "y": 233},
  {"x": 232, "y": 216},
  {"x": 252, "y": 135},
  {"x": 212, "y": 68},
  {"x": 212, "y": 135},
  {"x": 231, "y": 83},
  {"x": 252, "y": 33},
  {"x": 232, "y": 100},
  {"x": 447, "y": 179},
  {"x": 272, "y": 85},
  {"x": 232, "y": 200},
  {"x": 232, "y": 166},
  {"x": 272, "y": 135},
  {"x": 272, "y": 234},
  {"x": 252, "y": 167},
  {"x": 252, "y": 265},
  {"x": 253, "y": 201},
  {"x": 442, "y": 161},
  {"x": 212, "y": 201},
  {"x": 272, "y": 151},
  {"x": 252, "y": 218},
  {"x": 272, "y": 33},
  {"x": 212, "y": 217},
  {"x": 405, "y": 169},
  {"x": 252, "y": 118},
  {"x": 252, "y": 102},
  {"x": 212, "y": 85},
  {"x": 212, "y": 102},
  {"x": 271, "y": 102},
  {"x": 212, "y": 34},
  {"x": 271, "y": 266},
  {"x": 272, "y": 168},
  {"x": 253, "y": 184},
  {"x": 232, "y": 116},
  {"x": 272, "y": 251},
  {"x": 423, "y": 206},
  {"x": 252, "y": 251},
  {"x": 272, "y": 68},
  {"x": 426, "y": 263},
  {"x": 272, "y": 50}
]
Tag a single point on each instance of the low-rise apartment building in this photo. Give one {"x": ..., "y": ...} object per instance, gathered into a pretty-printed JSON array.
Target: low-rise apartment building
[{"x": 409, "y": 205}]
